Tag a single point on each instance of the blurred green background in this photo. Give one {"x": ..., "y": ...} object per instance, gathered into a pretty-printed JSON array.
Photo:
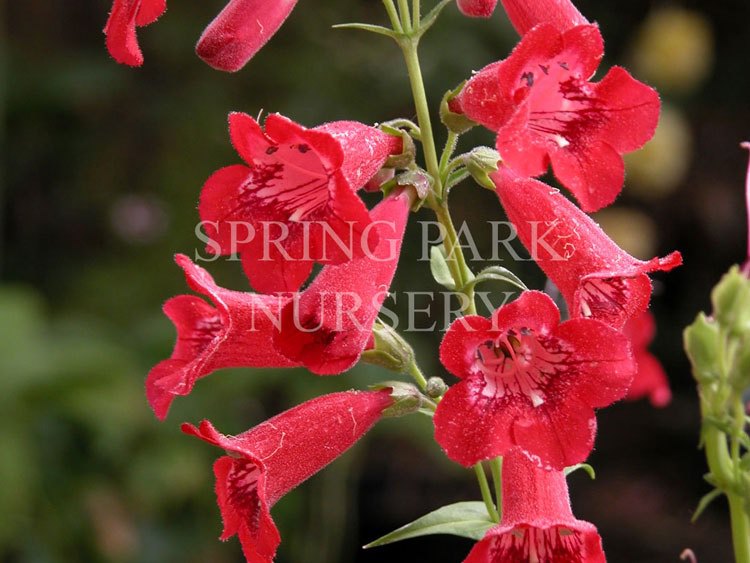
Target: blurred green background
[{"x": 102, "y": 167}]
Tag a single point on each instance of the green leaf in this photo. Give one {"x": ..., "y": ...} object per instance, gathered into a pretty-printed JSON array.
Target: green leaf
[
  {"x": 704, "y": 502},
  {"x": 439, "y": 267},
  {"x": 585, "y": 466},
  {"x": 379, "y": 29},
  {"x": 497, "y": 273},
  {"x": 464, "y": 519}
]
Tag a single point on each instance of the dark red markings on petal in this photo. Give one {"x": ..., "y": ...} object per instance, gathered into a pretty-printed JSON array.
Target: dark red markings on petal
[
  {"x": 242, "y": 488},
  {"x": 520, "y": 364},
  {"x": 557, "y": 544}
]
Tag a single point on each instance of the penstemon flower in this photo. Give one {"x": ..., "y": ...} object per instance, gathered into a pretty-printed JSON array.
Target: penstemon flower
[
  {"x": 328, "y": 325},
  {"x": 595, "y": 276},
  {"x": 650, "y": 379},
  {"x": 125, "y": 16},
  {"x": 538, "y": 524},
  {"x": 546, "y": 112},
  {"x": 271, "y": 459},
  {"x": 240, "y": 30},
  {"x": 236, "y": 332},
  {"x": 292, "y": 204},
  {"x": 528, "y": 381}
]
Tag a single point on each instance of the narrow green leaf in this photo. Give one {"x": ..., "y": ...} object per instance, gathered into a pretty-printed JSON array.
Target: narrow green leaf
[
  {"x": 379, "y": 29},
  {"x": 704, "y": 502},
  {"x": 439, "y": 267},
  {"x": 498, "y": 273},
  {"x": 432, "y": 16},
  {"x": 585, "y": 466},
  {"x": 464, "y": 519}
]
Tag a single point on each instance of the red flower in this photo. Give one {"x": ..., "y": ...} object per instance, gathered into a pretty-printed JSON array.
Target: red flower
[
  {"x": 528, "y": 381},
  {"x": 545, "y": 111},
  {"x": 650, "y": 379},
  {"x": 477, "y": 8},
  {"x": 273, "y": 458},
  {"x": 525, "y": 14},
  {"x": 537, "y": 523},
  {"x": 293, "y": 203},
  {"x": 236, "y": 332},
  {"x": 327, "y": 326},
  {"x": 122, "y": 42},
  {"x": 595, "y": 276},
  {"x": 240, "y": 30}
]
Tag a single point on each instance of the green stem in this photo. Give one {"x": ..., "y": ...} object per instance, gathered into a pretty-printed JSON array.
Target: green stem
[
  {"x": 416, "y": 14},
  {"x": 455, "y": 257},
  {"x": 496, "y": 466},
  {"x": 740, "y": 528},
  {"x": 390, "y": 7},
  {"x": 403, "y": 6},
  {"x": 418, "y": 376},
  {"x": 484, "y": 487}
]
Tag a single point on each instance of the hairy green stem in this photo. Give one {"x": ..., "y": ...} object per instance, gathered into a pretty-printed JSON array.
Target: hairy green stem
[{"x": 496, "y": 465}]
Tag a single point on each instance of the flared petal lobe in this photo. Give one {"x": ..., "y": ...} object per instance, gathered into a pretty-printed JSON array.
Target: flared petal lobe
[
  {"x": 546, "y": 112},
  {"x": 240, "y": 30},
  {"x": 528, "y": 381},
  {"x": 237, "y": 331},
  {"x": 537, "y": 523},
  {"x": 328, "y": 325},
  {"x": 293, "y": 203},
  {"x": 274, "y": 457},
  {"x": 596, "y": 277},
  {"x": 125, "y": 16}
]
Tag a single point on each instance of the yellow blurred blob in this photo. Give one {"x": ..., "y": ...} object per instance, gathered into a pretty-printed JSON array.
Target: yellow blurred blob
[
  {"x": 674, "y": 49},
  {"x": 633, "y": 231},
  {"x": 658, "y": 168}
]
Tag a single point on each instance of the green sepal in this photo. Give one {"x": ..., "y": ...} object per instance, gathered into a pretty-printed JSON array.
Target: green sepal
[
  {"x": 707, "y": 499},
  {"x": 439, "y": 267},
  {"x": 497, "y": 273},
  {"x": 465, "y": 519},
  {"x": 406, "y": 398},
  {"x": 703, "y": 346},
  {"x": 391, "y": 351},
  {"x": 480, "y": 163},
  {"x": 458, "y": 123},
  {"x": 420, "y": 181},
  {"x": 731, "y": 301},
  {"x": 378, "y": 29},
  {"x": 585, "y": 466},
  {"x": 408, "y": 150}
]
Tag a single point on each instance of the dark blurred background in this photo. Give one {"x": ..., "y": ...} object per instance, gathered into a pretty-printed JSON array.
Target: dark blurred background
[{"x": 102, "y": 167}]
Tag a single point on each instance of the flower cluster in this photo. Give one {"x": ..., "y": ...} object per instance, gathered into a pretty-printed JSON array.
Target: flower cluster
[{"x": 530, "y": 377}]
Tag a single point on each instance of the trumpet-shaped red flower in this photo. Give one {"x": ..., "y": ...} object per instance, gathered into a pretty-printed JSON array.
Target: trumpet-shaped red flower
[
  {"x": 528, "y": 381},
  {"x": 292, "y": 204},
  {"x": 328, "y": 325},
  {"x": 545, "y": 111},
  {"x": 273, "y": 458},
  {"x": 477, "y": 8},
  {"x": 650, "y": 378},
  {"x": 236, "y": 332},
  {"x": 122, "y": 42},
  {"x": 595, "y": 276},
  {"x": 537, "y": 524},
  {"x": 240, "y": 30},
  {"x": 525, "y": 14}
]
